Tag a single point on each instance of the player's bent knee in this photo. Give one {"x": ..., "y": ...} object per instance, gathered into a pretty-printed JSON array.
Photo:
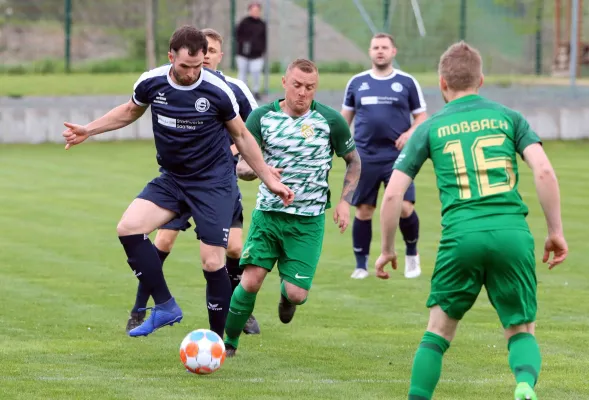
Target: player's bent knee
[
  {"x": 234, "y": 250},
  {"x": 165, "y": 239},
  {"x": 296, "y": 295},
  {"x": 212, "y": 264},
  {"x": 126, "y": 227},
  {"x": 212, "y": 257},
  {"x": 364, "y": 212},
  {"x": 407, "y": 209},
  {"x": 235, "y": 244},
  {"x": 252, "y": 278},
  {"x": 522, "y": 328},
  {"x": 441, "y": 324}
]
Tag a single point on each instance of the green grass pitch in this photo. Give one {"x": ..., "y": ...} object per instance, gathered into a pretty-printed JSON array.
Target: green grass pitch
[{"x": 66, "y": 291}]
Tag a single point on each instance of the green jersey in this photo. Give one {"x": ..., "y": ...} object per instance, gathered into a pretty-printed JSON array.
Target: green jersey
[
  {"x": 304, "y": 148},
  {"x": 472, "y": 143}
]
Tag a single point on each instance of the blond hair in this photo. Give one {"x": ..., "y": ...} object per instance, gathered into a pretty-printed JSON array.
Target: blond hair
[
  {"x": 213, "y": 34},
  {"x": 461, "y": 66},
  {"x": 304, "y": 65}
]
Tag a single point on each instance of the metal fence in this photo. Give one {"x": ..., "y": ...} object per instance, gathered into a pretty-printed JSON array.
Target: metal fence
[{"x": 515, "y": 36}]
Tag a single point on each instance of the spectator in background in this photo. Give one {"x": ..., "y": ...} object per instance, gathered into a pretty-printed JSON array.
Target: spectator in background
[{"x": 251, "y": 47}]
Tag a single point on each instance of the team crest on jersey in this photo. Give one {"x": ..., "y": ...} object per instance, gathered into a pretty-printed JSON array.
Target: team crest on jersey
[
  {"x": 202, "y": 104},
  {"x": 307, "y": 131},
  {"x": 397, "y": 87}
]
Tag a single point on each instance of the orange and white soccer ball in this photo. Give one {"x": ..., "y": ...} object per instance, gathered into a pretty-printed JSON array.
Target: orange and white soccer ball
[{"x": 202, "y": 352}]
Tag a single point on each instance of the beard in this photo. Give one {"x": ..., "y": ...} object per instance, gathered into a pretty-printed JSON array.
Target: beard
[
  {"x": 382, "y": 65},
  {"x": 182, "y": 79}
]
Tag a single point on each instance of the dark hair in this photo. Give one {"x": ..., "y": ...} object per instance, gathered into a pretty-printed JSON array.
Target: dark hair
[{"x": 189, "y": 38}]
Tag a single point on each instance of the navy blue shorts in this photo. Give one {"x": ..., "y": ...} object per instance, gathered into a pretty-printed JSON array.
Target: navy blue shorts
[
  {"x": 372, "y": 175},
  {"x": 210, "y": 206},
  {"x": 180, "y": 223}
]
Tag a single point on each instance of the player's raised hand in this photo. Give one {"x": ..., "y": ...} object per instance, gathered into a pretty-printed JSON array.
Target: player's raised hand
[
  {"x": 341, "y": 215},
  {"x": 558, "y": 246},
  {"x": 74, "y": 134},
  {"x": 382, "y": 261}
]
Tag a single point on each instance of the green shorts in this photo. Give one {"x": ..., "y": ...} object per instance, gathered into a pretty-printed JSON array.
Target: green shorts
[
  {"x": 294, "y": 241},
  {"x": 501, "y": 260}
]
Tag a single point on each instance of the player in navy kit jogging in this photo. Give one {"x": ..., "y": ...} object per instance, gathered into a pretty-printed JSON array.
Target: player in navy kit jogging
[
  {"x": 381, "y": 102},
  {"x": 167, "y": 234},
  {"x": 192, "y": 108}
]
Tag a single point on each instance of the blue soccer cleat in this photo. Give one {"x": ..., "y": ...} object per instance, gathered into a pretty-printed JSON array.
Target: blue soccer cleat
[{"x": 167, "y": 313}]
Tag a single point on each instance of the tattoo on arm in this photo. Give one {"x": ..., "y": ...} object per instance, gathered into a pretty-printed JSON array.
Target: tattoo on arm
[{"x": 353, "y": 168}]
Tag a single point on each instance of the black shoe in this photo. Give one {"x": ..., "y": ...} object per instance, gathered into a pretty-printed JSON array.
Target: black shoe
[
  {"x": 251, "y": 326},
  {"x": 229, "y": 350},
  {"x": 286, "y": 309},
  {"x": 257, "y": 96},
  {"x": 135, "y": 319}
]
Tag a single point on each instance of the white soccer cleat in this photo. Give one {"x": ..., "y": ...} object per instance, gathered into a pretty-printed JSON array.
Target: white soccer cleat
[
  {"x": 412, "y": 267},
  {"x": 359, "y": 273}
]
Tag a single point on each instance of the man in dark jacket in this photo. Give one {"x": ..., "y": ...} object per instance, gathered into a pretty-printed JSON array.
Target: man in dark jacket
[{"x": 251, "y": 47}]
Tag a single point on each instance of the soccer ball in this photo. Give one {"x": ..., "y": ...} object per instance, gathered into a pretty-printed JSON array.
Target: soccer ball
[{"x": 202, "y": 352}]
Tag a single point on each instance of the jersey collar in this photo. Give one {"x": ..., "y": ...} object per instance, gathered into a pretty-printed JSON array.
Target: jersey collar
[
  {"x": 383, "y": 78},
  {"x": 464, "y": 99},
  {"x": 278, "y": 109},
  {"x": 180, "y": 87}
]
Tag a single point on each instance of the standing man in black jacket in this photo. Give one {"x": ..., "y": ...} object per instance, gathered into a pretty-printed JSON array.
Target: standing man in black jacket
[{"x": 251, "y": 47}]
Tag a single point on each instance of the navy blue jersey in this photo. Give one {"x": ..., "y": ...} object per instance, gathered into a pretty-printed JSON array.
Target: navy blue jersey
[
  {"x": 383, "y": 107},
  {"x": 189, "y": 123},
  {"x": 245, "y": 100}
]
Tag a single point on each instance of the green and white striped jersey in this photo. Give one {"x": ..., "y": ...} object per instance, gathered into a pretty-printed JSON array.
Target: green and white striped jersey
[{"x": 303, "y": 147}]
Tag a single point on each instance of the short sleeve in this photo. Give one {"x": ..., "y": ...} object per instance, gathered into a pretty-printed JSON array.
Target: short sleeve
[
  {"x": 245, "y": 108},
  {"x": 340, "y": 135},
  {"x": 228, "y": 107},
  {"x": 524, "y": 135},
  {"x": 415, "y": 153},
  {"x": 141, "y": 91},
  {"x": 416, "y": 100},
  {"x": 245, "y": 99},
  {"x": 254, "y": 126},
  {"x": 349, "y": 98}
]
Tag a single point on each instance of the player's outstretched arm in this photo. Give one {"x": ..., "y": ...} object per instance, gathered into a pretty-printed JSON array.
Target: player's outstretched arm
[
  {"x": 341, "y": 216},
  {"x": 117, "y": 118},
  {"x": 251, "y": 153},
  {"x": 549, "y": 196}
]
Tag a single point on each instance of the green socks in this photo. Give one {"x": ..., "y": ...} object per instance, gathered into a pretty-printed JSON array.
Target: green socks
[
  {"x": 427, "y": 366},
  {"x": 242, "y": 305},
  {"x": 524, "y": 358}
]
